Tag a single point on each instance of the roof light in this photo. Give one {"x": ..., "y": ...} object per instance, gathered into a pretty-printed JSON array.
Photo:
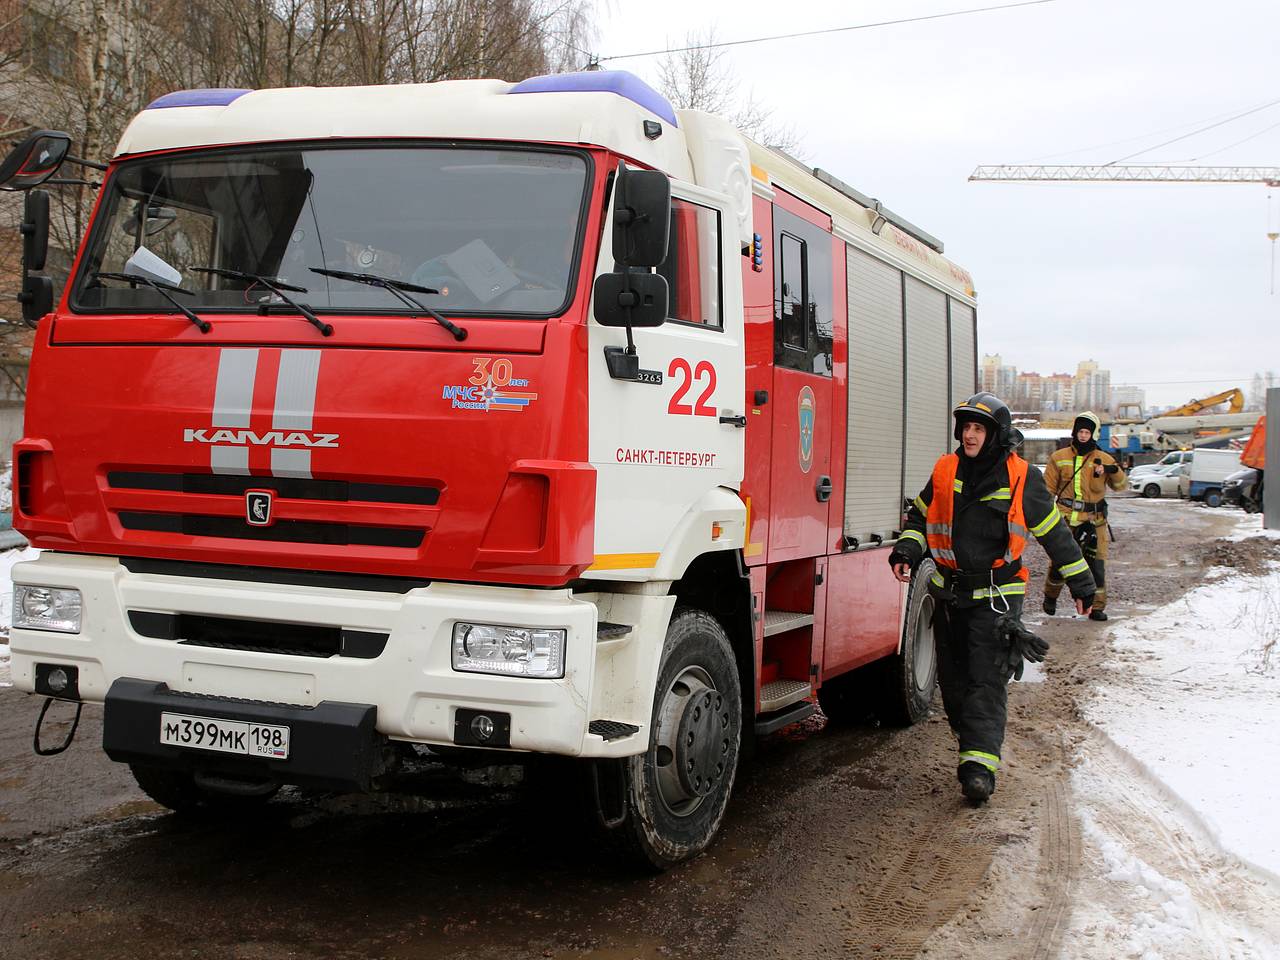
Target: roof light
[
  {"x": 209, "y": 97},
  {"x": 624, "y": 84}
]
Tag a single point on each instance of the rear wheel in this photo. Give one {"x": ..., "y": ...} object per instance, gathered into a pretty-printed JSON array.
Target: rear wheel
[
  {"x": 675, "y": 793},
  {"x": 1213, "y": 498},
  {"x": 1151, "y": 491},
  {"x": 913, "y": 673}
]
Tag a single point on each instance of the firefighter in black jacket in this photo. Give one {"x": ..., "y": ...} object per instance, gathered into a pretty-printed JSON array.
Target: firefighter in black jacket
[{"x": 972, "y": 519}]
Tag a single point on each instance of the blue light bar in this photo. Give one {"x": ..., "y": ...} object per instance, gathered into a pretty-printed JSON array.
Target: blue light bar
[
  {"x": 210, "y": 97},
  {"x": 624, "y": 84}
]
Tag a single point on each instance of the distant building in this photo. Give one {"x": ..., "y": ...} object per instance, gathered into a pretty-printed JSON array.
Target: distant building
[
  {"x": 1128, "y": 401},
  {"x": 998, "y": 378},
  {"x": 1092, "y": 387}
]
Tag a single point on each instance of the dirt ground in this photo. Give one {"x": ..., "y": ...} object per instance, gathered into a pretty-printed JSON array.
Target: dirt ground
[{"x": 850, "y": 842}]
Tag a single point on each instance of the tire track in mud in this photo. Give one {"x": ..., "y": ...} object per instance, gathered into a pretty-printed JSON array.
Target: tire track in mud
[
  {"x": 1059, "y": 865},
  {"x": 924, "y": 885}
]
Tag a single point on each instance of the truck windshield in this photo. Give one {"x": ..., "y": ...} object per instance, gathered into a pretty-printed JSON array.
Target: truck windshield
[{"x": 494, "y": 230}]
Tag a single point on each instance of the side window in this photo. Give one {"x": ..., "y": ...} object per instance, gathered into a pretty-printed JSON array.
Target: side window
[
  {"x": 803, "y": 298},
  {"x": 792, "y": 294},
  {"x": 692, "y": 267}
]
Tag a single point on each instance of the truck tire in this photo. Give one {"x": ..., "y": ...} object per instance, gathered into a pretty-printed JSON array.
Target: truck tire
[
  {"x": 1151, "y": 491},
  {"x": 912, "y": 674},
  {"x": 179, "y": 791},
  {"x": 1213, "y": 498},
  {"x": 675, "y": 793}
]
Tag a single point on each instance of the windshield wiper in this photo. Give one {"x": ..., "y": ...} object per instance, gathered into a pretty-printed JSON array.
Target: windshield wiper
[
  {"x": 159, "y": 287},
  {"x": 396, "y": 288},
  {"x": 276, "y": 286}
]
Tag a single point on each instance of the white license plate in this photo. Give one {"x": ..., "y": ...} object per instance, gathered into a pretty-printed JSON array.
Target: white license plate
[{"x": 225, "y": 736}]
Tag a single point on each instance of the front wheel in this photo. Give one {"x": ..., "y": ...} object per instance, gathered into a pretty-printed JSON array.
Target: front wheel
[
  {"x": 1213, "y": 498},
  {"x": 675, "y": 793}
]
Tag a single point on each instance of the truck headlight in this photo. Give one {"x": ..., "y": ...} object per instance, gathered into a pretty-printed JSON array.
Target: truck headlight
[
  {"x": 514, "y": 651},
  {"x": 46, "y": 608}
]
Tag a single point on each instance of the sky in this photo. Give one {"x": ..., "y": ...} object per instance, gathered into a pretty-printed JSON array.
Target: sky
[{"x": 1166, "y": 285}]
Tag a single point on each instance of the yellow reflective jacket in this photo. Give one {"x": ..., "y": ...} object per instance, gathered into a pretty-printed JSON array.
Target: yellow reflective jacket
[{"x": 1079, "y": 484}]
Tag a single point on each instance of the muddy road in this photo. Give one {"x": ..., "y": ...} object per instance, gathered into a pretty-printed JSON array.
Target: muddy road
[{"x": 850, "y": 842}]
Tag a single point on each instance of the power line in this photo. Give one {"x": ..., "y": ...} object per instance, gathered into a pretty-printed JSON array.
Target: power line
[
  {"x": 815, "y": 33},
  {"x": 1252, "y": 136},
  {"x": 1193, "y": 133},
  {"x": 1142, "y": 136}
]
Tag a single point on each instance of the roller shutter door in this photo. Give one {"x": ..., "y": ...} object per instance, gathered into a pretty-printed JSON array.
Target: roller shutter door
[
  {"x": 873, "y": 487},
  {"x": 928, "y": 427},
  {"x": 964, "y": 357}
]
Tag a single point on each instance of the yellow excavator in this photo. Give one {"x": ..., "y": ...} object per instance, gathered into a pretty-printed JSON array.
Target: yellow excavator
[{"x": 1235, "y": 395}]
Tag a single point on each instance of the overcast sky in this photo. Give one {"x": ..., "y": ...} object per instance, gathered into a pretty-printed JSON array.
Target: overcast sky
[{"x": 1162, "y": 284}]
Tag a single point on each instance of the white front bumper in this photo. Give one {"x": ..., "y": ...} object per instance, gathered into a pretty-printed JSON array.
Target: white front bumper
[{"x": 412, "y": 683}]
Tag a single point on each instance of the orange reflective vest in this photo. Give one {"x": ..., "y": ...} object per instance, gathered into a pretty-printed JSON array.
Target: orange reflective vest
[{"x": 941, "y": 516}]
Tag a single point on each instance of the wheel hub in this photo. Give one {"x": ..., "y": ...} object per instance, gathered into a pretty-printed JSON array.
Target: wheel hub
[{"x": 693, "y": 741}]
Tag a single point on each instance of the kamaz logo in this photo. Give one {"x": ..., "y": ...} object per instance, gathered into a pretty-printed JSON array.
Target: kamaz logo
[{"x": 251, "y": 438}]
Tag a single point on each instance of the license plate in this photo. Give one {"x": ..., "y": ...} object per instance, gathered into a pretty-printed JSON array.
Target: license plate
[{"x": 225, "y": 736}]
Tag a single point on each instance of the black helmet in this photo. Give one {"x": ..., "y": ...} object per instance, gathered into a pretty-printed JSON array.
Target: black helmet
[{"x": 993, "y": 413}]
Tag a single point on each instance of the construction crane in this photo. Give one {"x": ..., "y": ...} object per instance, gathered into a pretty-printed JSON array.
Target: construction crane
[{"x": 1115, "y": 173}]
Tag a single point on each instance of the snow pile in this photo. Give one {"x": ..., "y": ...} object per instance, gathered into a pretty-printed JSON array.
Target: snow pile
[
  {"x": 1198, "y": 706},
  {"x": 1177, "y": 784}
]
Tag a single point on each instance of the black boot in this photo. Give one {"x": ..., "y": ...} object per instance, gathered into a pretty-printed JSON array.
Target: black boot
[
  {"x": 1050, "y": 605},
  {"x": 977, "y": 783},
  {"x": 1097, "y": 614}
]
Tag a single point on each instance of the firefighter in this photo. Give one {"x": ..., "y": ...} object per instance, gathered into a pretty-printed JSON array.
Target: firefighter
[
  {"x": 972, "y": 519},
  {"x": 1078, "y": 476}
]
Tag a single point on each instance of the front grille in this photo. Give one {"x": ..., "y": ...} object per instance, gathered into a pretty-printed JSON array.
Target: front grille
[
  {"x": 287, "y": 531},
  {"x": 289, "y": 488},
  {"x": 261, "y": 636}
]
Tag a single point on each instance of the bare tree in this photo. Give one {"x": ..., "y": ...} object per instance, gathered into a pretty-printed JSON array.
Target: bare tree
[{"x": 697, "y": 78}]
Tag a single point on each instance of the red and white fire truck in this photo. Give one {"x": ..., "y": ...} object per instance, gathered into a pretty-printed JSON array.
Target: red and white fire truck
[{"x": 475, "y": 416}]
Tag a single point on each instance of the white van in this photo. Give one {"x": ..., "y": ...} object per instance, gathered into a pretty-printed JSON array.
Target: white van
[{"x": 1209, "y": 468}]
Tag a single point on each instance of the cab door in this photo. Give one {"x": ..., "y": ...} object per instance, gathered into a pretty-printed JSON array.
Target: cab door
[
  {"x": 801, "y": 483},
  {"x": 661, "y": 445}
]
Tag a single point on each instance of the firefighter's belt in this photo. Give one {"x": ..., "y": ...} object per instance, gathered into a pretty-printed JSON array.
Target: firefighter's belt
[
  {"x": 974, "y": 583},
  {"x": 1082, "y": 506}
]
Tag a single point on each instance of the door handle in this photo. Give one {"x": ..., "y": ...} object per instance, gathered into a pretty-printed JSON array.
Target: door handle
[
  {"x": 739, "y": 421},
  {"x": 823, "y": 490}
]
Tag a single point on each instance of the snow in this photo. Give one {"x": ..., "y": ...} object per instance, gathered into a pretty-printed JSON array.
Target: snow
[{"x": 1184, "y": 766}]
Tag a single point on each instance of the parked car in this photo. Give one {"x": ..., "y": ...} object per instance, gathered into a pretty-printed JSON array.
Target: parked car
[
  {"x": 1160, "y": 482},
  {"x": 1208, "y": 470},
  {"x": 1170, "y": 459},
  {"x": 1238, "y": 490}
]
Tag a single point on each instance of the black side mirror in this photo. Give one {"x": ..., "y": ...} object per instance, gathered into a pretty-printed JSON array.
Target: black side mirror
[
  {"x": 641, "y": 217},
  {"x": 36, "y": 299},
  {"x": 35, "y": 230},
  {"x": 34, "y": 160},
  {"x": 631, "y": 299}
]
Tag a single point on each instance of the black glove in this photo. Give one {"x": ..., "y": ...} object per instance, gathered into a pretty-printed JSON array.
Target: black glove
[
  {"x": 1087, "y": 536},
  {"x": 1022, "y": 645},
  {"x": 897, "y": 557},
  {"x": 1111, "y": 468}
]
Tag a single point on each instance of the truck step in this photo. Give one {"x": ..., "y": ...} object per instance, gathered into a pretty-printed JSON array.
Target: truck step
[
  {"x": 770, "y": 722},
  {"x": 611, "y": 631},
  {"x": 612, "y": 729},
  {"x": 783, "y": 693},
  {"x": 782, "y": 621}
]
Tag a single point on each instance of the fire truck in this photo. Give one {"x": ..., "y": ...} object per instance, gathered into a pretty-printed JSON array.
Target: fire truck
[{"x": 474, "y": 418}]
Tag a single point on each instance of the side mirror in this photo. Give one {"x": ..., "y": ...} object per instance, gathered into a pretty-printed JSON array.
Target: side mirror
[
  {"x": 34, "y": 160},
  {"x": 631, "y": 299},
  {"x": 35, "y": 230},
  {"x": 641, "y": 217},
  {"x": 36, "y": 299}
]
